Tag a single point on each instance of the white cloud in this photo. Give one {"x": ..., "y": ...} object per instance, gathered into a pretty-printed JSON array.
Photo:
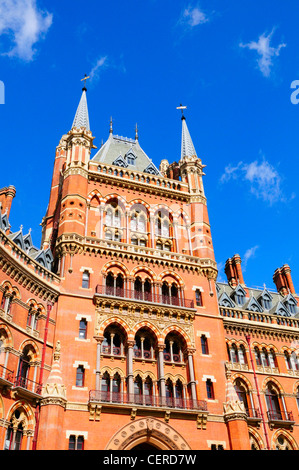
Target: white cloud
[
  {"x": 265, "y": 52},
  {"x": 193, "y": 16},
  {"x": 263, "y": 179},
  {"x": 100, "y": 64},
  {"x": 24, "y": 24},
  {"x": 250, "y": 253}
]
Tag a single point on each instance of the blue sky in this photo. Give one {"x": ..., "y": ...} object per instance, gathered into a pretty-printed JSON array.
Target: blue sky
[{"x": 231, "y": 63}]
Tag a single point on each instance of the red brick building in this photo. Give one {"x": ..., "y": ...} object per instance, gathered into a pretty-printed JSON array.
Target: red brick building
[{"x": 115, "y": 334}]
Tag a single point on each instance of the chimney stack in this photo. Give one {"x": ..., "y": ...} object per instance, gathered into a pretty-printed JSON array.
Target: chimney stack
[
  {"x": 6, "y": 197},
  {"x": 283, "y": 280},
  {"x": 233, "y": 271}
]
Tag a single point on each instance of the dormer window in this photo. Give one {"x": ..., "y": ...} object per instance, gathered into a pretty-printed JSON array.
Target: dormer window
[
  {"x": 267, "y": 304},
  {"x": 291, "y": 304},
  {"x": 239, "y": 299},
  {"x": 130, "y": 158},
  {"x": 239, "y": 295},
  {"x": 265, "y": 300},
  {"x": 292, "y": 307}
]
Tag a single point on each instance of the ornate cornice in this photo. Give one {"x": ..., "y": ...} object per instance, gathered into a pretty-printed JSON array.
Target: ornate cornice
[{"x": 73, "y": 244}]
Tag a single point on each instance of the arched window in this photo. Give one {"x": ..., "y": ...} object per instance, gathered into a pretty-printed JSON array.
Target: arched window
[
  {"x": 13, "y": 439},
  {"x": 148, "y": 391},
  {"x": 174, "y": 347},
  {"x": 114, "y": 341},
  {"x": 138, "y": 390},
  {"x": 179, "y": 396},
  {"x": 105, "y": 387},
  {"x": 138, "y": 288},
  {"x": 169, "y": 392},
  {"x": 273, "y": 403},
  {"x": 162, "y": 225},
  {"x": 110, "y": 284},
  {"x": 114, "y": 285},
  {"x": 116, "y": 388},
  {"x": 291, "y": 361},
  {"x": 24, "y": 366},
  {"x": 243, "y": 394},
  {"x": 144, "y": 347}
]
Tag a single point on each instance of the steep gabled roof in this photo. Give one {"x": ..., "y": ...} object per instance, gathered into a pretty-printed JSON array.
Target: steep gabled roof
[{"x": 116, "y": 146}]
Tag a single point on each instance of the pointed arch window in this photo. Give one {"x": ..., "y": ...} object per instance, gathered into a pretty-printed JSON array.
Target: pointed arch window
[
  {"x": 273, "y": 403},
  {"x": 13, "y": 440}
]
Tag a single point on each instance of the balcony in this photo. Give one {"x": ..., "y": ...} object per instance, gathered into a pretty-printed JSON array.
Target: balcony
[
  {"x": 27, "y": 388},
  {"x": 6, "y": 376},
  {"x": 115, "y": 398},
  {"x": 280, "y": 418},
  {"x": 150, "y": 297}
]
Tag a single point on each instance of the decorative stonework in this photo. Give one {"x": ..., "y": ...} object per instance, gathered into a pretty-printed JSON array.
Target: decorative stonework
[{"x": 147, "y": 430}]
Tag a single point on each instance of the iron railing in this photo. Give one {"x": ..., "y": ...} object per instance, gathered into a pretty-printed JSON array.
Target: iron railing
[
  {"x": 28, "y": 384},
  {"x": 6, "y": 374},
  {"x": 277, "y": 415},
  {"x": 101, "y": 396},
  {"x": 177, "y": 301},
  {"x": 253, "y": 413}
]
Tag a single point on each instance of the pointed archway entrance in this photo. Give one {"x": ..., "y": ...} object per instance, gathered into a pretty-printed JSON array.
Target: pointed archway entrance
[{"x": 147, "y": 434}]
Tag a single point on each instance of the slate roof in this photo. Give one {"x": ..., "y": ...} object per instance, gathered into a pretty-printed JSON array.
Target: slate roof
[
  {"x": 118, "y": 150},
  {"x": 81, "y": 116},
  {"x": 187, "y": 147},
  {"x": 43, "y": 257},
  {"x": 279, "y": 304}
]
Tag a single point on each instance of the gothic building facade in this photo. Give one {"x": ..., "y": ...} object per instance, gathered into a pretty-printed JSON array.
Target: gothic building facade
[{"x": 115, "y": 333}]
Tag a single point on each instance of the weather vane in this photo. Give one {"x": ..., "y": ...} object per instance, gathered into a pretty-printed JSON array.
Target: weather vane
[
  {"x": 181, "y": 107},
  {"x": 84, "y": 79}
]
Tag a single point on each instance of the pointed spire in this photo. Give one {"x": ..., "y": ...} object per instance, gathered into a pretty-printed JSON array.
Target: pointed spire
[
  {"x": 136, "y": 132},
  {"x": 81, "y": 117},
  {"x": 187, "y": 147},
  {"x": 111, "y": 126}
]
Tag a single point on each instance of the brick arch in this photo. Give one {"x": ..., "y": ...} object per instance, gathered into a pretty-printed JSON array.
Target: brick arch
[
  {"x": 242, "y": 377},
  {"x": 114, "y": 196},
  {"x": 92, "y": 194},
  {"x": 165, "y": 274},
  {"x": 140, "y": 202},
  {"x": 148, "y": 325},
  {"x": 150, "y": 430},
  {"x": 181, "y": 213},
  {"x": 254, "y": 433},
  {"x": 268, "y": 380},
  {"x": 162, "y": 207},
  {"x": 11, "y": 289},
  {"x": 145, "y": 269},
  {"x": 113, "y": 321},
  {"x": 8, "y": 333},
  {"x": 28, "y": 414},
  {"x": 144, "y": 374},
  {"x": 175, "y": 378},
  {"x": 287, "y": 435},
  {"x": 112, "y": 371},
  {"x": 180, "y": 331},
  {"x": 29, "y": 342},
  {"x": 117, "y": 265}
]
